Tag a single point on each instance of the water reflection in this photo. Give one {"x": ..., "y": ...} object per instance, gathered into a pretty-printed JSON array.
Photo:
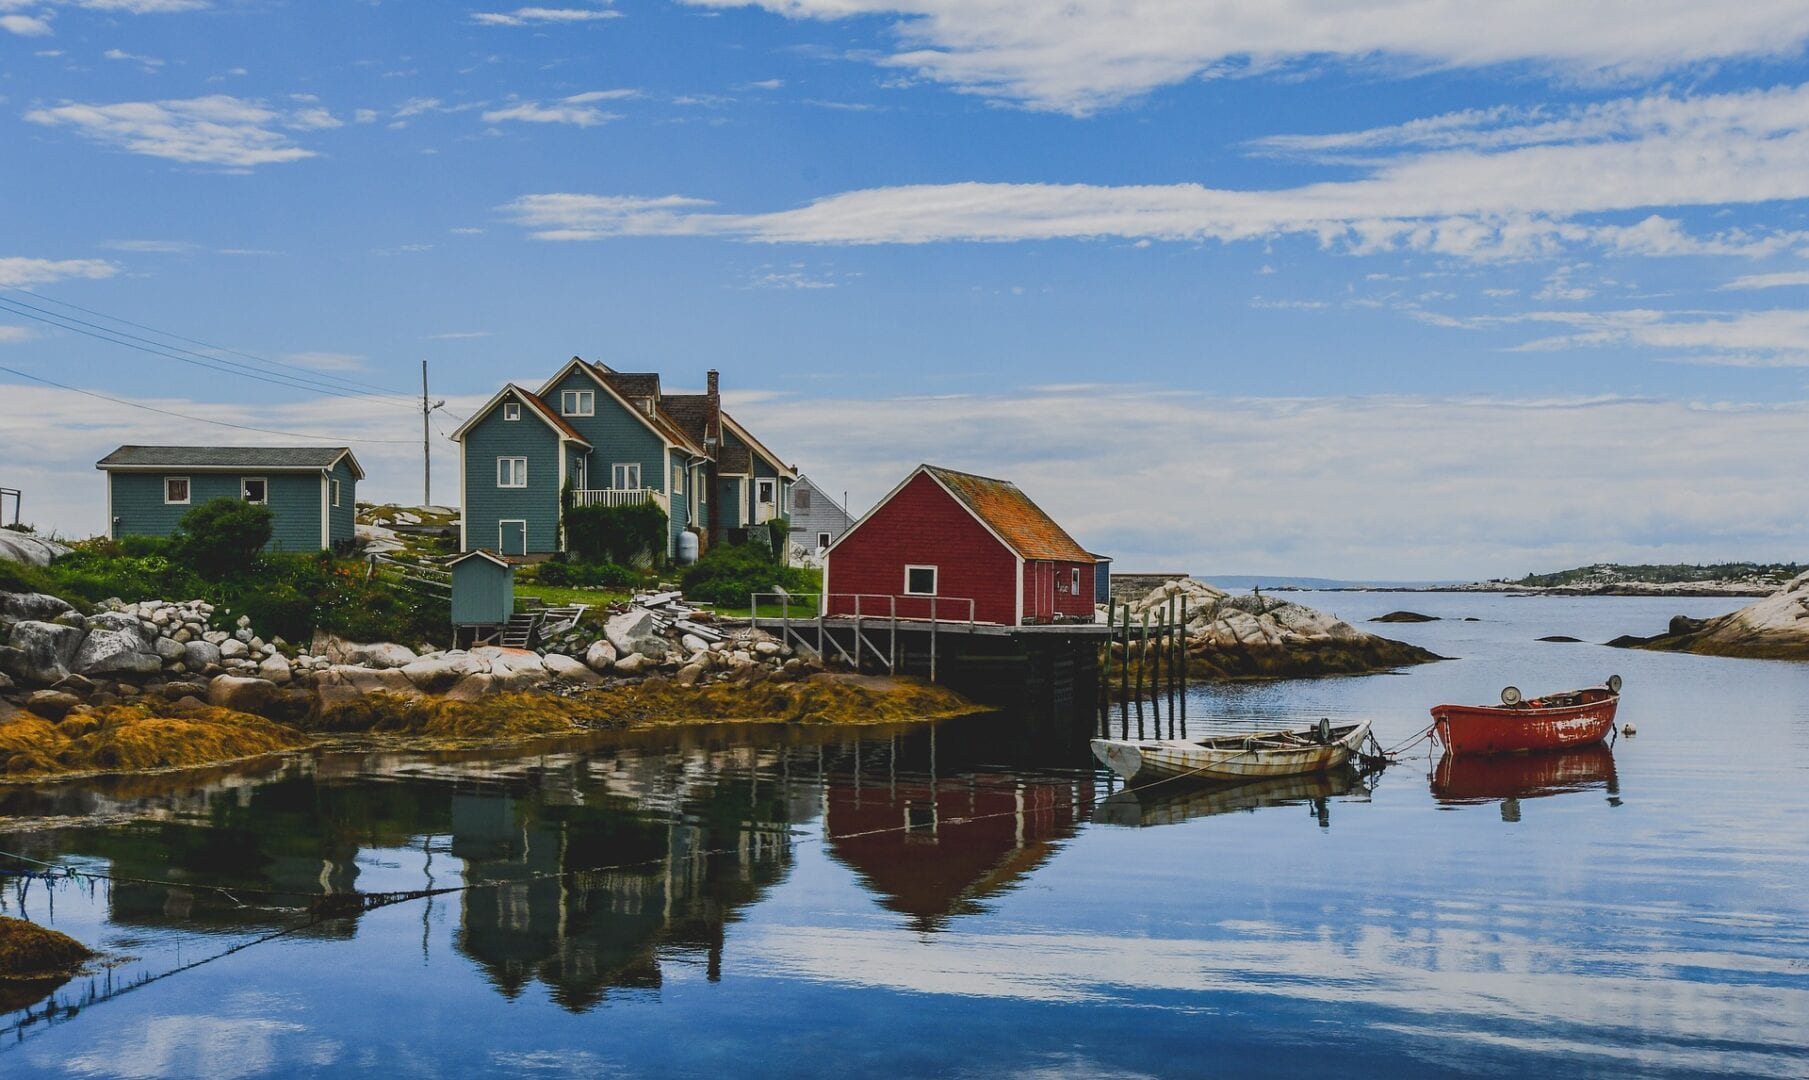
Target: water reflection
[
  {"x": 1170, "y": 804},
  {"x": 1466, "y": 779}
]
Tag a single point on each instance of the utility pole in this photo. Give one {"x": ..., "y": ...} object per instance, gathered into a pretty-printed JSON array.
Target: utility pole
[{"x": 426, "y": 441}]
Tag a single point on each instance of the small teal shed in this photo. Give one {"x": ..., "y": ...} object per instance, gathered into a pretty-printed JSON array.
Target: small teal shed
[
  {"x": 483, "y": 590},
  {"x": 312, "y": 491}
]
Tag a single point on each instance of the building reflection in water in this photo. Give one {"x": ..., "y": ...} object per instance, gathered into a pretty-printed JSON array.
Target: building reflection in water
[{"x": 597, "y": 866}]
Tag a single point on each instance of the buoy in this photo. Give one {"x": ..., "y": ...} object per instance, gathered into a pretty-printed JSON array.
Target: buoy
[{"x": 1629, "y": 729}]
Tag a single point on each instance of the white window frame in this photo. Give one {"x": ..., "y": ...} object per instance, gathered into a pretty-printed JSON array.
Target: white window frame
[
  {"x": 824, "y": 540},
  {"x": 581, "y": 472},
  {"x": 678, "y": 480},
  {"x": 1074, "y": 580},
  {"x": 935, "y": 580},
  {"x": 703, "y": 491},
  {"x": 511, "y": 410},
  {"x": 188, "y": 491},
  {"x": 619, "y": 473},
  {"x": 513, "y": 481},
  {"x": 265, "y": 480},
  {"x": 335, "y": 486},
  {"x": 772, "y": 490},
  {"x": 577, "y": 403}
]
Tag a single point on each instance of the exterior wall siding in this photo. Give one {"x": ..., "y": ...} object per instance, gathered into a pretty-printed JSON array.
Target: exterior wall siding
[
  {"x": 1047, "y": 592},
  {"x": 486, "y": 504},
  {"x": 615, "y": 434},
  {"x": 483, "y": 594},
  {"x": 680, "y": 504},
  {"x": 294, "y": 500},
  {"x": 343, "y": 519},
  {"x": 823, "y": 515},
  {"x": 924, "y": 526}
]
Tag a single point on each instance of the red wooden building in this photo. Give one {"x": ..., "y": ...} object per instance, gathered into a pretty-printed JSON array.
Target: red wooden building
[{"x": 959, "y": 538}]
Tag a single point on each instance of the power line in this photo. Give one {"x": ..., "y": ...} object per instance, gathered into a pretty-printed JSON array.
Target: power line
[
  {"x": 209, "y": 345},
  {"x": 173, "y": 352},
  {"x": 200, "y": 419}
]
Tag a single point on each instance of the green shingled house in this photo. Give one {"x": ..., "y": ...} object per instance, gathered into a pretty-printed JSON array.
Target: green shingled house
[
  {"x": 311, "y": 491},
  {"x": 618, "y": 439}
]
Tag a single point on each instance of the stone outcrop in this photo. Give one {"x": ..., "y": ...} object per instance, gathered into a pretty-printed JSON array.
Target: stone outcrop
[
  {"x": 1773, "y": 628},
  {"x": 28, "y": 549},
  {"x": 1260, "y": 636},
  {"x": 42, "y": 652}
]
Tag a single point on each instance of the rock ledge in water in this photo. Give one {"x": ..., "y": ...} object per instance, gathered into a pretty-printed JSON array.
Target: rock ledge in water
[
  {"x": 1404, "y": 617},
  {"x": 1774, "y": 628}
]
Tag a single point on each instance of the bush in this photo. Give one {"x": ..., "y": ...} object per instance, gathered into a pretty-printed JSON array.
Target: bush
[
  {"x": 729, "y": 576},
  {"x": 140, "y": 546},
  {"x": 624, "y": 535},
  {"x": 97, "y": 569},
  {"x": 223, "y": 537},
  {"x": 585, "y": 575}
]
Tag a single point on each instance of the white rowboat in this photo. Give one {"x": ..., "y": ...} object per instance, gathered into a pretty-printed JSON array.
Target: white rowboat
[{"x": 1234, "y": 757}]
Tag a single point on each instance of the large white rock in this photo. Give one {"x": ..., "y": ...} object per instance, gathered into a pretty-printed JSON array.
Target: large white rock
[
  {"x": 383, "y": 654},
  {"x": 117, "y": 644},
  {"x": 276, "y": 669},
  {"x": 434, "y": 676},
  {"x": 45, "y": 650},
  {"x": 36, "y": 607},
  {"x": 635, "y": 632},
  {"x": 635, "y": 663},
  {"x": 601, "y": 656},
  {"x": 234, "y": 649},
  {"x": 197, "y": 655},
  {"x": 169, "y": 650},
  {"x": 565, "y": 667},
  {"x": 346, "y": 682},
  {"x": 31, "y": 550},
  {"x": 245, "y": 695}
]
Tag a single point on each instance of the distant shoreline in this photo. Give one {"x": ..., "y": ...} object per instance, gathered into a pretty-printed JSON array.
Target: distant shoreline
[{"x": 1677, "y": 589}]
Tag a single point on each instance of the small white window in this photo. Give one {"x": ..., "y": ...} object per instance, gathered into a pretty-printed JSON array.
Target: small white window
[
  {"x": 703, "y": 493},
  {"x": 175, "y": 489},
  {"x": 1074, "y": 581},
  {"x": 511, "y": 472},
  {"x": 511, "y": 410},
  {"x": 763, "y": 491},
  {"x": 920, "y": 581},
  {"x": 678, "y": 481},
  {"x": 255, "y": 489},
  {"x": 823, "y": 540},
  {"x": 625, "y": 476},
  {"x": 335, "y": 485},
  {"x": 578, "y": 402}
]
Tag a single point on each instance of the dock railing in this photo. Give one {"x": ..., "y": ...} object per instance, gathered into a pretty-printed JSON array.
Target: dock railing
[{"x": 861, "y": 613}]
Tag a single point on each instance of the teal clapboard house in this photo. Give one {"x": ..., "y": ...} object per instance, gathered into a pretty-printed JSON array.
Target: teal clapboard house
[
  {"x": 311, "y": 491},
  {"x": 483, "y": 590},
  {"x": 616, "y": 439}
]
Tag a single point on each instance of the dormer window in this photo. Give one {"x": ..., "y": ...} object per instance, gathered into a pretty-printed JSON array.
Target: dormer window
[
  {"x": 578, "y": 403},
  {"x": 511, "y": 410}
]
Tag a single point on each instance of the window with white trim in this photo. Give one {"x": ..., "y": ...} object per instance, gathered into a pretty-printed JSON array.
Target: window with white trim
[
  {"x": 920, "y": 581},
  {"x": 678, "y": 481},
  {"x": 511, "y": 472},
  {"x": 578, "y": 402},
  {"x": 255, "y": 489},
  {"x": 625, "y": 476},
  {"x": 1074, "y": 580},
  {"x": 175, "y": 489},
  {"x": 823, "y": 540},
  {"x": 511, "y": 410},
  {"x": 763, "y": 491},
  {"x": 335, "y": 485}
]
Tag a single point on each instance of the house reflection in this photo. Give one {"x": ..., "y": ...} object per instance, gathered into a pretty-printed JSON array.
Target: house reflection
[{"x": 931, "y": 848}]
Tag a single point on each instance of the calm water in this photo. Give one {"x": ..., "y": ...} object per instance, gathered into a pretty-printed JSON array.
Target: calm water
[{"x": 973, "y": 901}]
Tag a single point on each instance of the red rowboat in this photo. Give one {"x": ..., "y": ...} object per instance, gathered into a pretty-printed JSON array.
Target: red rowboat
[{"x": 1519, "y": 724}]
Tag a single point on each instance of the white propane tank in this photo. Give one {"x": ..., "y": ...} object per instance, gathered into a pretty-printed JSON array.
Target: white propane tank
[{"x": 687, "y": 548}]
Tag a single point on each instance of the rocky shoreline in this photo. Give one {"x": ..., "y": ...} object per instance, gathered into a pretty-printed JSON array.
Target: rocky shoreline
[
  {"x": 1774, "y": 628},
  {"x": 1261, "y": 637},
  {"x": 154, "y": 685}
]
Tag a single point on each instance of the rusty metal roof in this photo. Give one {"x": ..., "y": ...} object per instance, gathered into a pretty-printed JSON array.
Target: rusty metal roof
[
  {"x": 1021, "y": 523},
  {"x": 539, "y": 404}
]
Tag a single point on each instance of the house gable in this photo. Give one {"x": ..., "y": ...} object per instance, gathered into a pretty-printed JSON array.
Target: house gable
[{"x": 485, "y": 438}]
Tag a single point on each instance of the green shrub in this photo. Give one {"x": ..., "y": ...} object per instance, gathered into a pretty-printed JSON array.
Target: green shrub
[
  {"x": 19, "y": 578},
  {"x": 624, "y": 535},
  {"x": 223, "y": 537},
  {"x": 729, "y": 576},
  {"x": 97, "y": 569},
  {"x": 140, "y": 546},
  {"x": 588, "y": 575}
]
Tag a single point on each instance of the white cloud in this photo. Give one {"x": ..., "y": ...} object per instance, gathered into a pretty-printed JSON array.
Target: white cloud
[
  {"x": 1775, "y": 338},
  {"x": 578, "y": 109},
  {"x": 1528, "y": 196},
  {"x": 327, "y": 361},
  {"x": 214, "y": 130},
  {"x": 21, "y": 271},
  {"x": 26, "y": 25},
  {"x": 1083, "y": 55},
  {"x": 313, "y": 119},
  {"x": 142, "y": 7},
  {"x": 1769, "y": 281},
  {"x": 459, "y": 335},
  {"x": 535, "y": 16},
  {"x": 153, "y": 247},
  {"x": 150, "y": 63},
  {"x": 12, "y": 335}
]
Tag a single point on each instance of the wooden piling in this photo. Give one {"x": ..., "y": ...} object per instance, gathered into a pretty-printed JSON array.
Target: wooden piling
[{"x": 1184, "y": 662}]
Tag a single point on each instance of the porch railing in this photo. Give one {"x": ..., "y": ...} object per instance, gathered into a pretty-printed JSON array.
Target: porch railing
[{"x": 620, "y": 497}]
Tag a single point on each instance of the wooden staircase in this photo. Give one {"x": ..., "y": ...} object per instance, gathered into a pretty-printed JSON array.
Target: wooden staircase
[{"x": 522, "y": 628}]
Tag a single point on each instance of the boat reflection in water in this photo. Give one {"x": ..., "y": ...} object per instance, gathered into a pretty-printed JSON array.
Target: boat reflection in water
[
  {"x": 1172, "y": 803},
  {"x": 1468, "y": 780}
]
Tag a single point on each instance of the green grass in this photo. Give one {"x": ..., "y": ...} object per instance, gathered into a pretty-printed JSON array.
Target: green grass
[{"x": 559, "y": 595}]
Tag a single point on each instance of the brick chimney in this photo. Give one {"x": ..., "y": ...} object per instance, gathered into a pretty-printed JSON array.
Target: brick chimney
[{"x": 713, "y": 391}]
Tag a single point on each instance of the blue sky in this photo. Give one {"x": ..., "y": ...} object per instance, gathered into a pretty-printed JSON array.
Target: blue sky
[{"x": 1355, "y": 289}]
